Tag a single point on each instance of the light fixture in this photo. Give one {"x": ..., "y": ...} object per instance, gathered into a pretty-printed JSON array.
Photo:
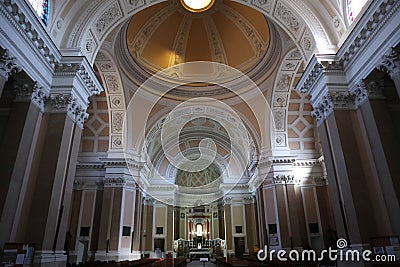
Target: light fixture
[{"x": 197, "y": 5}]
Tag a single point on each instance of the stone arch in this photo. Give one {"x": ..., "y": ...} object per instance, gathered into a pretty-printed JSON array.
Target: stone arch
[
  {"x": 100, "y": 18},
  {"x": 113, "y": 87},
  {"x": 284, "y": 83}
]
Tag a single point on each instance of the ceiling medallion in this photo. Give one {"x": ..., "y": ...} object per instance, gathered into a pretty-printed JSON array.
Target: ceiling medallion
[{"x": 197, "y": 5}]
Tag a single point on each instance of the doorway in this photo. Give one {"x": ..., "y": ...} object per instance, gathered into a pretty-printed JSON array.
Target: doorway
[
  {"x": 159, "y": 244},
  {"x": 239, "y": 246}
]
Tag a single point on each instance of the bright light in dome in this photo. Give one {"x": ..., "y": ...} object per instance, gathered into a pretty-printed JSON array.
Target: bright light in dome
[{"x": 197, "y": 5}]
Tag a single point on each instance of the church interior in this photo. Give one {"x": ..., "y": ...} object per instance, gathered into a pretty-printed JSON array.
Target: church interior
[{"x": 169, "y": 132}]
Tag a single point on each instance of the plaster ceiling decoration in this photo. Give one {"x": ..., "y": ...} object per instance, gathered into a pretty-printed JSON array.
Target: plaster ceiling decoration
[{"x": 166, "y": 34}]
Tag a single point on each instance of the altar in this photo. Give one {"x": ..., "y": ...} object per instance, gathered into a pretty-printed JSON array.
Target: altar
[{"x": 197, "y": 253}]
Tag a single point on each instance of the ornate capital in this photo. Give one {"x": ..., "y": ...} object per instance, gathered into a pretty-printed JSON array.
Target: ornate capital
[
  {"x": 227, "y": 201},
  {"x": 148, "y": 201},
  {"x": 390, "y": 63},
  {"x": 66, "y": 103},
  {"x": 340, "y": 100},
  {"x": 359, "y": 94},
  {"x": 114, "y": 182},
  {"x": 8, "y": 66},
  {"x": 38, "y": 96},
  {"x": 323, "y": 109},
  {"x": 375, "y": 89},
  {"x": 23, "y": 92},
  {"x": 284, "y": 179},
  {"x": 320, "y": 180},
  {"x": 26, "y": 92},
  {"x": 248, "y": 200}
]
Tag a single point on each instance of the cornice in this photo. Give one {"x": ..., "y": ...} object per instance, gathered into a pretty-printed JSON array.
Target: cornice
[
  {"x": 90, "y": 166},
  {"x": 21, "y": 17},
  {"x": 376, "y": 16}
]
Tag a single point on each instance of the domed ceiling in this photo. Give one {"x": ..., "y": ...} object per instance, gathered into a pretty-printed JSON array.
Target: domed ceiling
[{"x": 167, "y": 34}]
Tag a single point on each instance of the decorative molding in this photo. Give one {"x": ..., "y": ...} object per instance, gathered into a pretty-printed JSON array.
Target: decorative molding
[
  {"x": 148, "y": 201},
  {"x": 38, "y": 96},
  {"x": 227, "y": 200},
  {"x": 111, "y": 15},
  {"x": 18, "y": 13},
  {"x": 287, "y": 17},
  {"x": 248, "y": 200},
  {"x": 323, "y": 109},
  {"x": 383, "y": 12},
  {"x": 375, "y": 89},
  {"x": 339, "y": 100},
  {"x": 114, "y": 182},
  {"x": 359, "y": 94},
  {"x": 8, "y": 65},
  {"x": 94, "y": 166},
  {"x": 23, "y": 92},
  {"x": 310, "y": 76},
  {"x": 60, "y": 103},
  {"x": 285, "y": 179},
  {"x": 390, "y": 63},
  {"x": 252, "y": 35},
  {"x": 320, "y": 180}
]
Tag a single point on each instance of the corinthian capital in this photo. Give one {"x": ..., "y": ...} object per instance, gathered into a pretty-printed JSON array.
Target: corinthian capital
[
  {"x": 7, "y": 65},
  {"x": 390, "y": 63}
]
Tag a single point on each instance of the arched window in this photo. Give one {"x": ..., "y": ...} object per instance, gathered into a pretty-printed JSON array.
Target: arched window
[
  {"x": 42, "y": 9},
  {"x": 354, "y": 8}
]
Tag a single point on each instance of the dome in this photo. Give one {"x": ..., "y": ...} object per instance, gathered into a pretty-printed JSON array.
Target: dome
[{"x": 167, "y": 34}]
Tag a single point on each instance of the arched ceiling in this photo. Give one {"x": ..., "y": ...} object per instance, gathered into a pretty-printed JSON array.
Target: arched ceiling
[{"x": 167, "y": 34}]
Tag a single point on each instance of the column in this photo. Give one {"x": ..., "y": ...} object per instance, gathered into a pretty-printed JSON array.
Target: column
[
  {"x": 17, "y": 154},
  {"x": 360, "y": 213},
  {"x": 55, "y": 159},
  {"x": 177, "y": 219},
  {"x": 251, "y": 225},
  {"x": 138, "y": 219},
  {"x": 110, "y": 223},
  {"x": 228, "y": 224},
  {"x": 8, "y": 67},
  {"x": 42, "y": 212},
  {"x": 147, "y": 245},
  {"x": 390, "y": 63},
  {"x": 170, "y": 231},
  {"x": 262, "y": 223},
  {"x": 382, "y": 139},
  {"x": 221, "y": 221},
  {"x": 292, "y": 228}
]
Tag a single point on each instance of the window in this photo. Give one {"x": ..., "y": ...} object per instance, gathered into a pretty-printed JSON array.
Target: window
[
  {"x": 273, "y": 229},
  {"x": 159, "y": 230},
  {"x": 239, "y": 229},
  {"x": 354, "y": 8},
  {"x": 314, "y": 228},
  {"x": 84, "y": 231},
  {"x": 42, "y": 9},
  {"x": 126, "y": 231}
]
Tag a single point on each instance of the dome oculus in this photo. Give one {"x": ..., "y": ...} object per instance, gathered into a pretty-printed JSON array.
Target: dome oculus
[{"x": 197, "y": 5}]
